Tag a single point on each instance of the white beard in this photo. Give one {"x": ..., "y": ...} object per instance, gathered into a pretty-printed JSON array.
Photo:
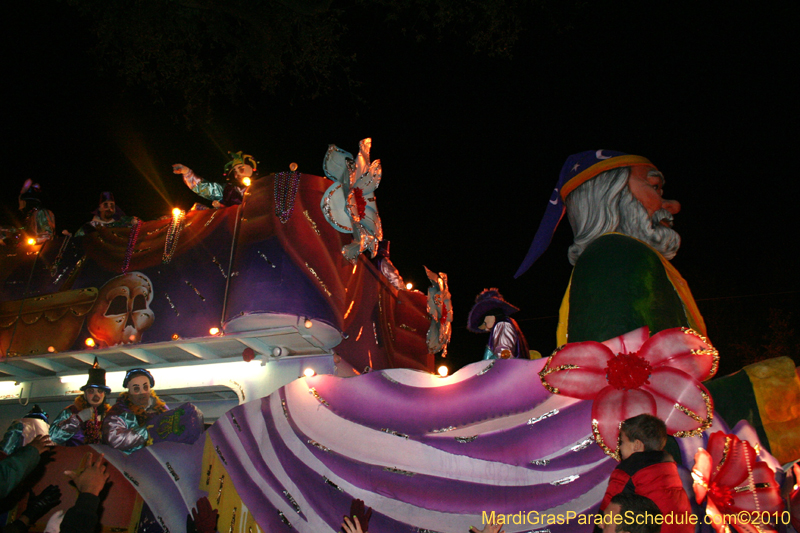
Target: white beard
[{"x": 635, "y": 221}]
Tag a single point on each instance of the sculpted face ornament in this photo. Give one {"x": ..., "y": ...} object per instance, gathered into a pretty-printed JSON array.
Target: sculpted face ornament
[{"x": 122, "y": 312}]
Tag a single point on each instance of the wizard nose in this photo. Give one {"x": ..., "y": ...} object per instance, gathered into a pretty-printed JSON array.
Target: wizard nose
[{"x": 673, "y": 206}]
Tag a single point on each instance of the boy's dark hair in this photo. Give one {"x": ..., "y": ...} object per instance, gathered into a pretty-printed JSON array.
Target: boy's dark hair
[
  {"x": 640, "y": 506},
  {"x": 649, "y": 429}
]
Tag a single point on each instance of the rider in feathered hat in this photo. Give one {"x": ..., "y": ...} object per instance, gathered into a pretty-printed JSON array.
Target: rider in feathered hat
[
  {"x": 239, "y": 172},
  {"x": 491, "y": 314}
]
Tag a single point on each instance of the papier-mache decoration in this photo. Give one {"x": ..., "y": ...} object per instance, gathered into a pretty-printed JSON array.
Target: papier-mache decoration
[
  {"x": 440, "y": 311},
  {"x": 349, "y": 204},
  {"x": 634, "y": 374},
  {"x": 734, "y": 480}
]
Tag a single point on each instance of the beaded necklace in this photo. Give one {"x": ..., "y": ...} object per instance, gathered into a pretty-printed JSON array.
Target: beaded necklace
[
  {"x": 286, "y": 184},
  {"x": 134, "y": 236},
  {"x": 171, "y": 240}
]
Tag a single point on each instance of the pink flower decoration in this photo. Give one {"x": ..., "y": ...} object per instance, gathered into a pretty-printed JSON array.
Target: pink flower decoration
[
  {"x": 634, "y": 374},
  {"x": 734, "y": 480}
]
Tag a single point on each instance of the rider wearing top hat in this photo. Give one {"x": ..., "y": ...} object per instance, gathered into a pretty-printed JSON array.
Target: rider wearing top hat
[{"x": 82, "y": 422}]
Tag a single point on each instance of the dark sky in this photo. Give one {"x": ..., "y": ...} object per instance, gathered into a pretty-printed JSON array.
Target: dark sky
[{"x": 471, "y": 145}]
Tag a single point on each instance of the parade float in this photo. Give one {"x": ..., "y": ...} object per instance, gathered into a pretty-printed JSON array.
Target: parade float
[{"x": 285, "y": 279}]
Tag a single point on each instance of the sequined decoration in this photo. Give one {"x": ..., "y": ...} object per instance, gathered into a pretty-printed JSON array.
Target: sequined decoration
[
  {"x": 208, "y": 475},
  {"x": 134, "y": 236},
  {"x": 540, "y": 462},
  {"x": 319, "y": 446},
  {"x": 319, "y": 398},
  {"x": 173, "y": 234},
  {"x": 285, "y": 187},
  {"x": 395, "y": 433},
  {"x": 704, "y": 423},
  {"x": 485, "y": 370},
  {"x": 582, "y": 445},
  {"x": 389, "y": 378},
  {"x": 195, "y": 291},
  {"x": 221, "y": 484},
  {"x": 172, "y": 305},
  {"x": 310, "y": 221},
  {"x": 222, "y": 457},
  {"x": 236, "y": 423},
  {"x": 565, "y": 480},
  {"x": 284, "y": 519},
  {"x": 465, "y": 440},
  {"x": 285, "y": 410},
  {"x": 265, "y": 258},
  {"x": 212, "y": 218},
  {"x": 332, "y": 484},
  {"x": 407, "y": 328},
  {"x": 448, "y": 428},
  {"x": 172, "y": 472},
  {"x": 292, "y": 501},
  {"x": 375, "y": 333},
  {"x": 710, "y": 351},
  {"x": 233, "y": 520},
  {"x": 542, "y": 417},
  {"x": 322, "y": 283},
  {"x": 398, "y": 471},
  {"x": 221, "y": 270}
]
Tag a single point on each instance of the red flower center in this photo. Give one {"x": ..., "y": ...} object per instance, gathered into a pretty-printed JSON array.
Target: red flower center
[
  {"x": 628, "y": 371},
  {"x": 722, "y": 496},
  {"x": 443, "y": 318},
  {"x": 361, "y": 204}
]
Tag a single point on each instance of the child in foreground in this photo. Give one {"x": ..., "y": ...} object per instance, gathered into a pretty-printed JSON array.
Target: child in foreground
[{"x": 646, "y": 469}]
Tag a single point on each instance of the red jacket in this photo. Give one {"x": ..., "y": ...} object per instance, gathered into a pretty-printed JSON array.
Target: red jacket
[{"x": 653, "y": 474}]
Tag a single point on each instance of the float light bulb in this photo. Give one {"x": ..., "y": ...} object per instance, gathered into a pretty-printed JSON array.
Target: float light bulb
[
  {"x": 443, "y": 371},
  {"x": 308, "y": 323},
  {"x": 409, "y": 286},
  {"x": 213, "y": 331},
  {"x": 90, "y": 342},
  {"x": 176, "y": 212},
  {"x": 51, "y": 349},
  {"x": 31, "y": 241},
  {"x": 308, "y": 372},
  {"x": 175, "y": 336},
  {"x": 246, "y": 182}
]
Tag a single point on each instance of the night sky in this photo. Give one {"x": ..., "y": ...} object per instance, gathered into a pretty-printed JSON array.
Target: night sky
[{"x": 471, "y": 145}]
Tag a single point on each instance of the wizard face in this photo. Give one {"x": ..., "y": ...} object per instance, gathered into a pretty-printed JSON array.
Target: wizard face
[
  {"x": 94, "y": 396},
  {"x": 139, "y": 391},
  {"x": 106, "y": 210},
  {"x": 647, "y": 185}
]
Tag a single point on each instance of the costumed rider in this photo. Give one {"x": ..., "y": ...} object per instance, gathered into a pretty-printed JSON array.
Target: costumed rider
[
  {"x": 239, "y": 172},
  {"x": 490, "y": 314},
  {"x": 107, "y": 214},
  {"x": 387, "y": 268},
  {"x": 140, "y": 418},
  {"x": 40, "y": 223},
  {"x": 21, "y": 432},
  {"x": 82, "y": 422}
]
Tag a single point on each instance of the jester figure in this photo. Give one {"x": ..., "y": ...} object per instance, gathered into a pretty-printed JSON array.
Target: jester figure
[{"x": 238, "y": 172}]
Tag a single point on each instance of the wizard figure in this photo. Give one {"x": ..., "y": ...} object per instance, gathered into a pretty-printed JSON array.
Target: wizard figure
[{"x": 491, "y": 314}]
